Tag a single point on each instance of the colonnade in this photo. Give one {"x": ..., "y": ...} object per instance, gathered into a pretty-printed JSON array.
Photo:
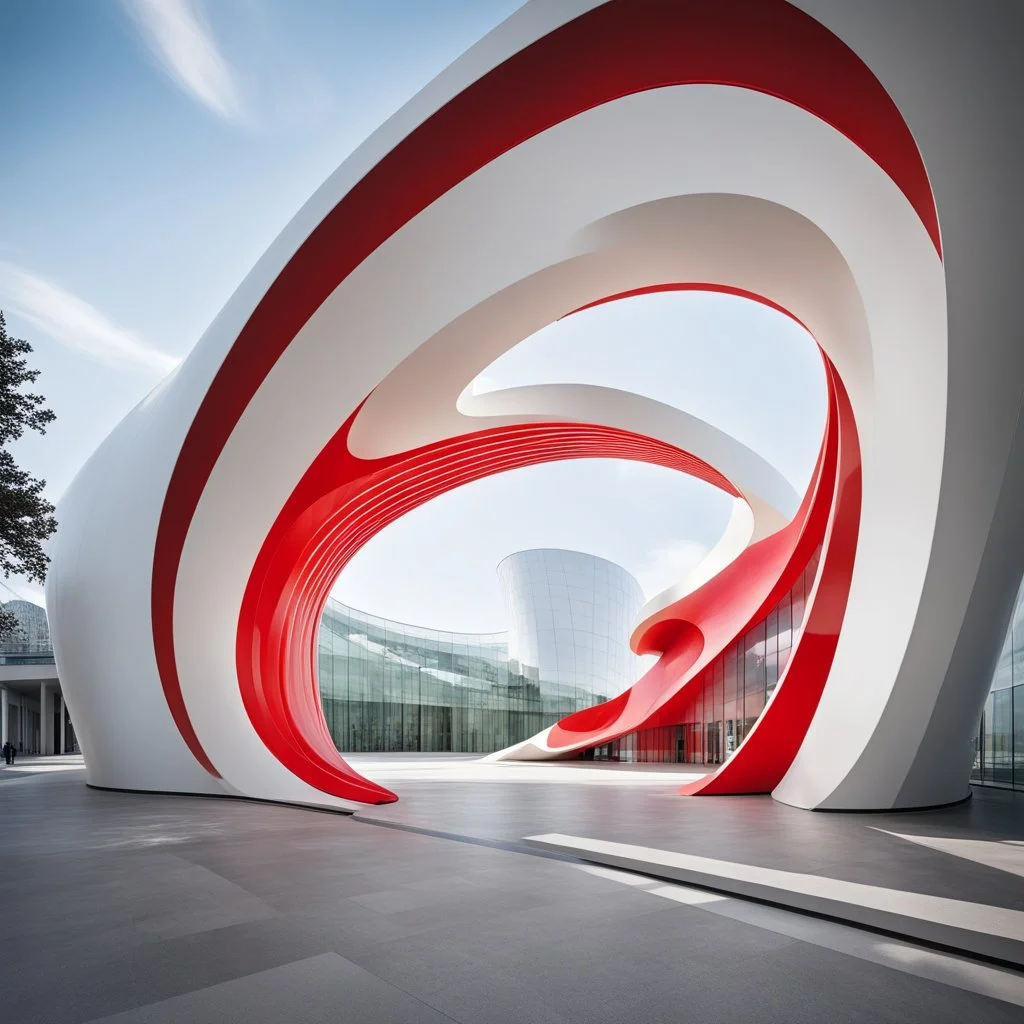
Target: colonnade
[{"x": 28, "y": 722}]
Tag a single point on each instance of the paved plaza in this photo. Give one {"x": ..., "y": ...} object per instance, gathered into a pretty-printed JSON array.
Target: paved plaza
[{"x": 136, "y": 908}]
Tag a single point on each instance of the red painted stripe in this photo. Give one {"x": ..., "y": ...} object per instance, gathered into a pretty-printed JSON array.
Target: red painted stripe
[
  {"x": 619, "y": 48},
  {"x": 690, "y": 286},
  {"x": 765, "y": 755}
]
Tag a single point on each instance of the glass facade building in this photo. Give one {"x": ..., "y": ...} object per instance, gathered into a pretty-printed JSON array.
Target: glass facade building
[
  {"x": 388, "y": 686},
  {"x": 28, "y": 644},
  {"x": 999, "y": 744},
  {"x": 730, "y": 694},
  {"x": 733, "y": 692},
  {"x": 32, "y": 634}
]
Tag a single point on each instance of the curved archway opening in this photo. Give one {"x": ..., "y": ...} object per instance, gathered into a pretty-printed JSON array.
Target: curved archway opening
[{"x": 666, "y": 350}]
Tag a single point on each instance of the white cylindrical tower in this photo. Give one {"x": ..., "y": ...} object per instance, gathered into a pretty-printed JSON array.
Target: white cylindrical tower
[{"x": 569, "y": 617}]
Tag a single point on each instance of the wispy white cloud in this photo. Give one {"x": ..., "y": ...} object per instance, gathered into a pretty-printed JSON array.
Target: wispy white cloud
[
  {"x": 669, "y": 563},
  {"x": 179, "y": 34},
  {"x": 73, "y": 322}
]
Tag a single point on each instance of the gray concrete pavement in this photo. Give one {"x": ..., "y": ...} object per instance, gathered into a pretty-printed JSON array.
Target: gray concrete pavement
[
  {"x": 136, "y": 908},
  {"x": 874, "y": 849}
]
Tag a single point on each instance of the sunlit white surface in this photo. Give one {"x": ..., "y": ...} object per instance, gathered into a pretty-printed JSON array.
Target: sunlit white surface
[
  {"x": 452, "y": 768},
  {"x": 43, "y": 765}
]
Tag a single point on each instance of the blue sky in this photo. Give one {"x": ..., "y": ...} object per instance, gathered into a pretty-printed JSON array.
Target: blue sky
[{"x": 152, "y": 151}]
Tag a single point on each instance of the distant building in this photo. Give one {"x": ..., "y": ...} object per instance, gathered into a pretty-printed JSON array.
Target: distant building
[
  {"x": 33, "y": 715},
  {"x": 33, "y": 632},
  {"x": 389, "y": 686}
]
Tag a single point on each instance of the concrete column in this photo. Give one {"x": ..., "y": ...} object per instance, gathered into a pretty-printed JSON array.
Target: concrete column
[
  {"x": 45, "y": 720},
  {"x": 62, "y": 747},
  {"x": 5, "y": 718}
]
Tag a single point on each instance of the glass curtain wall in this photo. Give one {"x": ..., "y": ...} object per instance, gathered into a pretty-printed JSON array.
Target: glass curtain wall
[
  {"x": 389, "y": 686},
  {"x": 32, "y": 634},
  {"x": 729, "y": 695},
  {"x": 999, "y": 744}
]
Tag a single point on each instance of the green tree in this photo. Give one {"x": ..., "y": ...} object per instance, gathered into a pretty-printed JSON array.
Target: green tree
[{"x": 26, "y": 517}]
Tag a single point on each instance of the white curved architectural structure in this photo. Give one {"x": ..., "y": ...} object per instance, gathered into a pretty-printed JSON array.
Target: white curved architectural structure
[{"x": 855, "y": 164}]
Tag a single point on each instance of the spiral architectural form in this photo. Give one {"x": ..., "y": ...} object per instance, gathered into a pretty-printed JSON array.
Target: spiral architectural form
[{"x": 854, "y": 164}]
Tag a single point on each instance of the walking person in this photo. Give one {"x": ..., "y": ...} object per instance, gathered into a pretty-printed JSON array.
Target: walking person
[
  {"x": 7, "y": 752},
  {"x": 14, "y": 751}
]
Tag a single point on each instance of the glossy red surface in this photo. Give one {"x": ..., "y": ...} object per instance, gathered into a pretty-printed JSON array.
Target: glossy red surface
[
  {"x": 619, "y": 48},
  {"x": 766, "y": 753},
  {"x": 688, "y": 286}
]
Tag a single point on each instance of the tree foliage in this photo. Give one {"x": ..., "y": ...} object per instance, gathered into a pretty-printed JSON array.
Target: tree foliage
[{"x": 26, "y": 517}]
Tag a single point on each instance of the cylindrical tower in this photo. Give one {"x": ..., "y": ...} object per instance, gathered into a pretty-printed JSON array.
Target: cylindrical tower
[{"x": 569, "y": 617}]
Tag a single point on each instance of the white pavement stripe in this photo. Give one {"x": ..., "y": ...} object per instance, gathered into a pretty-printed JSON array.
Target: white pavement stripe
[
  {"x": 1003, "y": 855},
  {"x": 472, "y": 770},
  {"x": 972, "y": 927},
  {"x": 945, "y": 968},
  {"x": 684, "y": 894},
  {"x": 623, "y": 877}
]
